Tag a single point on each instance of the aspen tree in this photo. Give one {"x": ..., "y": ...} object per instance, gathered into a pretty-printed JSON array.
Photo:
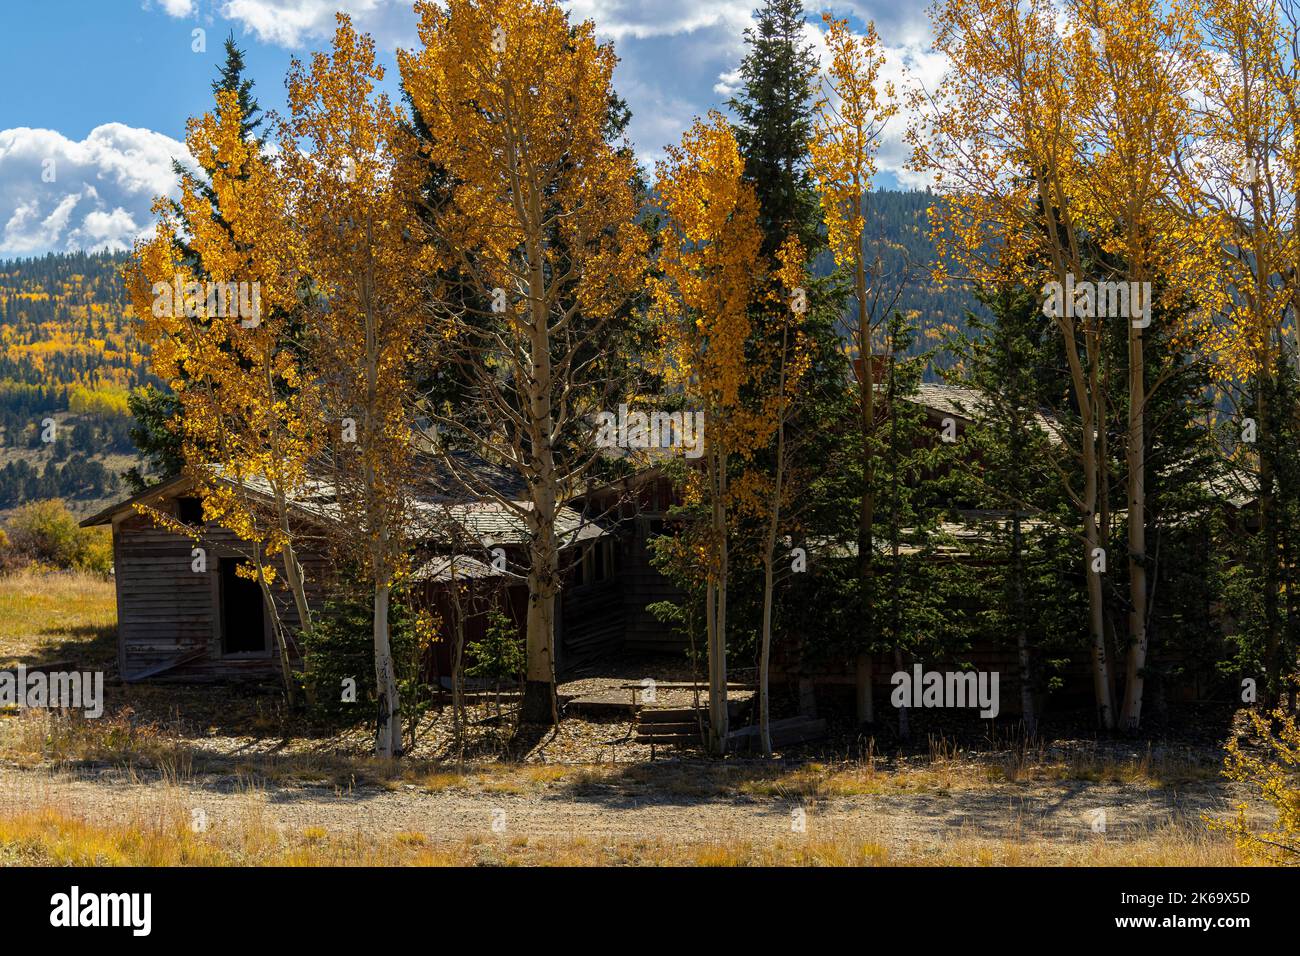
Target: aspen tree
[
  {"x": 1243, "y": 217},
  {"x": 540, "y": 225},
  {"x": 849, "y": 120},
  {"x": 247, "y": 409},
  {"x": 1002, "y": 138},
  {"x": 1135, "y": 61},
  {"x": 712, "y": 270},
  {"x": 353, "y": 171}
]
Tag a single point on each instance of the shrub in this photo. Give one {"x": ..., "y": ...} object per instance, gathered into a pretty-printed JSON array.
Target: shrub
[
  {"x": 341, "y": 646},
  {"x": 96, "y": 553},
  {"x": 10, "y": 559},
  {"x": 1273, "y": 772},
  {"x": 46, "y": 533},
  {"x": 499, "y": 657}
]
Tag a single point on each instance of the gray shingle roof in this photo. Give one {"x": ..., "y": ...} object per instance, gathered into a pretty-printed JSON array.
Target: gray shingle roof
[
  {"x": 969, "y": 404},
  {"x": 461, "y": 567}
]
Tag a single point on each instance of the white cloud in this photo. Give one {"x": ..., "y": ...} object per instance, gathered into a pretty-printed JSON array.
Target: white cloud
[
  {"x": 290, "y": 23},
  {"x": 679, "y": 57},
  {"x": 105, "y": 230},
  {"x": 621, "y": 19},
  {"x": 907, "y": 65},
  {"x": 59, "y": 194},
  {"x": 176, "y": 8}
]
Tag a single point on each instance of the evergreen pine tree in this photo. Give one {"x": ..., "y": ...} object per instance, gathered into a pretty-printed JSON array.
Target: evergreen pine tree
[{"x": 773, "y": 120}]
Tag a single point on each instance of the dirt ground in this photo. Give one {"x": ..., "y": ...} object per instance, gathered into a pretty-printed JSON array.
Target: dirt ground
[{"x": 634, "y": 805}]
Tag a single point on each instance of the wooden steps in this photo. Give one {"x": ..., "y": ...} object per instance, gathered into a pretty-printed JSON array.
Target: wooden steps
[{"x": 678, "y": 726}]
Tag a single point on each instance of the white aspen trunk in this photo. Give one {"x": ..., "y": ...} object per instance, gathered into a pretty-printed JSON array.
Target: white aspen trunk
[
  {"x": 286, "y": 666},
  {"x": 1101, "y": 680},
  {"x": 867, "y": 504},
  {"x": 297, "y": 587},
  {"x": 539, "y": 702},
  {"x": 1086, "y": 399},
  {"x": 289, "y": 555},
  {"x": 769, "y": 557},
  {"x": 719, "y": 716},
  {"x": 1137, "y": 532},
  {"x": 765, "y": 655},
  {"x": 388, "y": 729},
  {"x": 716, "y": 612},
  {"x": 293, "y": 574},
  {"x": 539, "y": 689},
  {"x": 458, "y": 668}
]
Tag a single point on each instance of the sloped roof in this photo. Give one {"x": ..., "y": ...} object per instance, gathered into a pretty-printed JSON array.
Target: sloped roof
[
  {"x": 949, "y": 537},
  {"x": 438, "y": 504},
  {"x": 1236, "y": 488},
  {"x": 460, "y": 567},
  {"x": 491, "y": 523},
  {"x": 163, "y": 488},
  {"x": 969, "y": 404}
]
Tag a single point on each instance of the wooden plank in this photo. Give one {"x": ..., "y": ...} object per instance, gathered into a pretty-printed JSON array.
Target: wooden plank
[
  {"x": 658, "y": 729},
  {"x": 169, "y": 665},
  {"x": 605, "y": 702},
  {"x": 670, "y": 714},
  {"x": 785, "y": 733}
]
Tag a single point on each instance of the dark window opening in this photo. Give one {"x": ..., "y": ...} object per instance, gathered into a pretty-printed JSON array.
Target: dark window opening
[
  {"x": 604, "y": 559},
  {"x": 189, "y": 511},
  {"x": 243, "y": 621},
  {"x": 595, "y": 564}
]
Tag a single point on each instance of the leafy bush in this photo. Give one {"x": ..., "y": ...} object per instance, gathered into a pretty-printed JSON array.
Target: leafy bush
[
  {"x": 97, "y": 550},
  {"x": 46, "y": 533},
  {"x": 1272, "y": 772}
]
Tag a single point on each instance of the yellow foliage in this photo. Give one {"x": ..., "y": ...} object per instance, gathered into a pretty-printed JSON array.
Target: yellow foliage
[
  {"x": 849, "y": 118},
  {"x": 1272, "y": 774}
]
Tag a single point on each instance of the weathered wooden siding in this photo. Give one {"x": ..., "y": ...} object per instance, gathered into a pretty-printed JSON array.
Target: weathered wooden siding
[
  {"x": 637, "y": 508},
  {"x": 642, "y": 586},
  {"x": 168, "y": 614},
  {"x": 590, "y": 626}
]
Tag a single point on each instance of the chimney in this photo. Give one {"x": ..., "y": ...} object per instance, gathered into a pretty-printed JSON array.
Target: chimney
[{"x": 879, "y": 367}]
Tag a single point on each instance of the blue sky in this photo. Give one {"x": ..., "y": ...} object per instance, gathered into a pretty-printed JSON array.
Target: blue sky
[{"x": 97, "y": 91}]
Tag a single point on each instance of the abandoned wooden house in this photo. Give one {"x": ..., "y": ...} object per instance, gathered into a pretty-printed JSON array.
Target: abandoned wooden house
[{"x": 186, "y": 614}]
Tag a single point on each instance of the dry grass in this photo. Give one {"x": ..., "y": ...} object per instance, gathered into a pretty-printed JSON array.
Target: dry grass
[
  {"x": 943, "y": 772},
  {"x": 52, "y": 738},
  {"x": 49, "y": 738},
  {"x": 47, "y": 828},
  {"x": 57, "y": 616},
  {"x": 53, "y": 837}
]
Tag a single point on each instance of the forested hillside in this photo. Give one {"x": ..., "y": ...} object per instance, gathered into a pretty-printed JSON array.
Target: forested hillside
[
  {"x": 900, "y": 237},
  {"x": 68, "y": 359}
]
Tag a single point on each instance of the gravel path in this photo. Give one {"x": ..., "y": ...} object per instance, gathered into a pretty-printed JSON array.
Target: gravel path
[{"x": 620, "y": 811}]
